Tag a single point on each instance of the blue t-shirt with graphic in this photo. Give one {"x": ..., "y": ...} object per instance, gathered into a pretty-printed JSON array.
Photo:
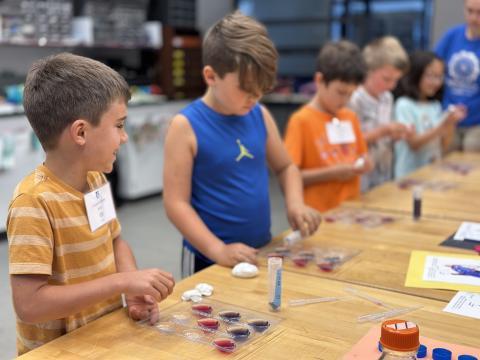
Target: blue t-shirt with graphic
[
  {"x": 462, "y": 82},
  {"x": 230, "y": 175}
]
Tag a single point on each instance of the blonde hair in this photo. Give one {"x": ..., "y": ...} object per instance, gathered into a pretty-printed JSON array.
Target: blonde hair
[
  {"x": 240, "y": 43},
  {"x": 384, "y": 51}
]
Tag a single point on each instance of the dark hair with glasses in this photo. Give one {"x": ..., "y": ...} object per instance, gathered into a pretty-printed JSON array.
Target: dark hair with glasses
[{"x": 409, "y": 85}]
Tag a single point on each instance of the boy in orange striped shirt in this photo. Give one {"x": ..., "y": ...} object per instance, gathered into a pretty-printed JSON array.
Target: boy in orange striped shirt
[{"x": 68, "y": 264}]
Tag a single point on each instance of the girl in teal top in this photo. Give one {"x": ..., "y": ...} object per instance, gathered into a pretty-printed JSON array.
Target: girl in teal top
[{"x": 419, "y": 107}]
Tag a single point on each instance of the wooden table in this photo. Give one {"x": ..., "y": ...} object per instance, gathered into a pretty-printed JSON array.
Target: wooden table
[
  {"x": 459, "y": 203},
  {"x": 385, "y": 252},
  {"x": 435, "y": 171},
  {"x": 456, "y": 203},
  {"x": 319, "y": 331},
  {"x": 466, "y": 157}
]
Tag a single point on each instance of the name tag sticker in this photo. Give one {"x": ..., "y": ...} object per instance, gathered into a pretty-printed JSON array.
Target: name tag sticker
[
  {"x": 340, "y": 132},
  {"x": 100, "y": 207}
]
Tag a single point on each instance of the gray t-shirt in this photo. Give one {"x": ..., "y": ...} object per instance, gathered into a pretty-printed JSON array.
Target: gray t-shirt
[{"x": 374, "y": 112}]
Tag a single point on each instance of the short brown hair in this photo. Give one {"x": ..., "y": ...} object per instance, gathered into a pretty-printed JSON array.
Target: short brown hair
[
  {"x": 384, "y": 51},
  {"x": 62, "y": 88},
  {"x": 239, "y": 42},
  {"x": 341, "y": 61}
]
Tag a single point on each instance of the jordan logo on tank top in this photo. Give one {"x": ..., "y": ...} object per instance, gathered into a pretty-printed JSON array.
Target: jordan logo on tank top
[{"x": 243, "y": 152}]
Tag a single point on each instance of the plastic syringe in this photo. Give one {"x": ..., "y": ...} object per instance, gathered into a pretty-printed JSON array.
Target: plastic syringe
[
  {"x": 370, "y": 298},
  {"x": 300, "y": 302},
  {"x": 373, "y": 317}
]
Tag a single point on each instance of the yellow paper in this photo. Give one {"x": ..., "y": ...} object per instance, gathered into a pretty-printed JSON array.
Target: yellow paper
[{"x": 416, "y": 269}]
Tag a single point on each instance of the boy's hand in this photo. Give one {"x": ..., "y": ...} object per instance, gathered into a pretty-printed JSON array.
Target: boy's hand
[
  {"x": 154, "y": 282},
  {"x": 397, "y": 131},
  {"x": 368, "y": 165},
  {"x": 345, "y": 172},
  {"x": 143, "y": 307},
  {"x": 232, "y": 254},
  {"x": 303, "y": 218}
]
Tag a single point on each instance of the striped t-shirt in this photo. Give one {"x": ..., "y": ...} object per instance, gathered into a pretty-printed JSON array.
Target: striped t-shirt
[
  {"x": 373, "y": 113},
  {"x": 49, "y": 234}
]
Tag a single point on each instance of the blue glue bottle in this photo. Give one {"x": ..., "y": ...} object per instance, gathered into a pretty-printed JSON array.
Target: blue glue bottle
[{"x": 275, "y": 282}]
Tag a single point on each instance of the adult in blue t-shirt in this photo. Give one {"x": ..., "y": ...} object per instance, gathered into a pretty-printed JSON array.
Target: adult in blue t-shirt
[{"x": 460, "y": 49}]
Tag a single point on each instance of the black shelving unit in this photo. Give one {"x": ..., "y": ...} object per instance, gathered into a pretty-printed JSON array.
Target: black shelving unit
[
  {"x": 408, "y": 20},
  {"x": 118, "y": 39},
  {"x": 300, "y": 28}
]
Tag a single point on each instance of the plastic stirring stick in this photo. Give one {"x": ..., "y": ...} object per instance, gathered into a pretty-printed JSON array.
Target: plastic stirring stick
[
  {"x": 300, "y": 302},
  {"x": 386, "y": 314},
  {"x": 367, "y": 297}
]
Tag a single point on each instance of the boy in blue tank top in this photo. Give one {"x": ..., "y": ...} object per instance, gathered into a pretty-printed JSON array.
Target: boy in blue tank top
[{"x": 218, "y": 148}]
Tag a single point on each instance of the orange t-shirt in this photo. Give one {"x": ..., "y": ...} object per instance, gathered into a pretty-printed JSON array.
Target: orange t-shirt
[{"x": 307, "y": 143}]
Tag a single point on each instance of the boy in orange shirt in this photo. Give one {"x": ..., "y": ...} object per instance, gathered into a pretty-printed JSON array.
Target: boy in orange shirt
[{"x": 324, "y": 137}]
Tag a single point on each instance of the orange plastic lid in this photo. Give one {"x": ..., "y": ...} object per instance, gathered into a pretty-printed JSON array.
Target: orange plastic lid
[{"x": 400, "y": 335}]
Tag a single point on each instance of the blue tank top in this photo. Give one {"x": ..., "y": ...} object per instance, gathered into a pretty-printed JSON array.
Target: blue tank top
[{"x": 230, "y": 175}]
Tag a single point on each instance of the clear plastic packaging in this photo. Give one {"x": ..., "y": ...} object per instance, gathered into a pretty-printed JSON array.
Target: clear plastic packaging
[
  {"x": 458, "y": 168},
  {"x": 434, "y": 185},
  {"x": 302, "y": 256},
  {"x": 299, "y": 254},
  {"x": 279, "y": 251},
  {"x": 367, "y": 219},
  {"x": 329, "y": 258},
  {"x": 214, "y": 323}
]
